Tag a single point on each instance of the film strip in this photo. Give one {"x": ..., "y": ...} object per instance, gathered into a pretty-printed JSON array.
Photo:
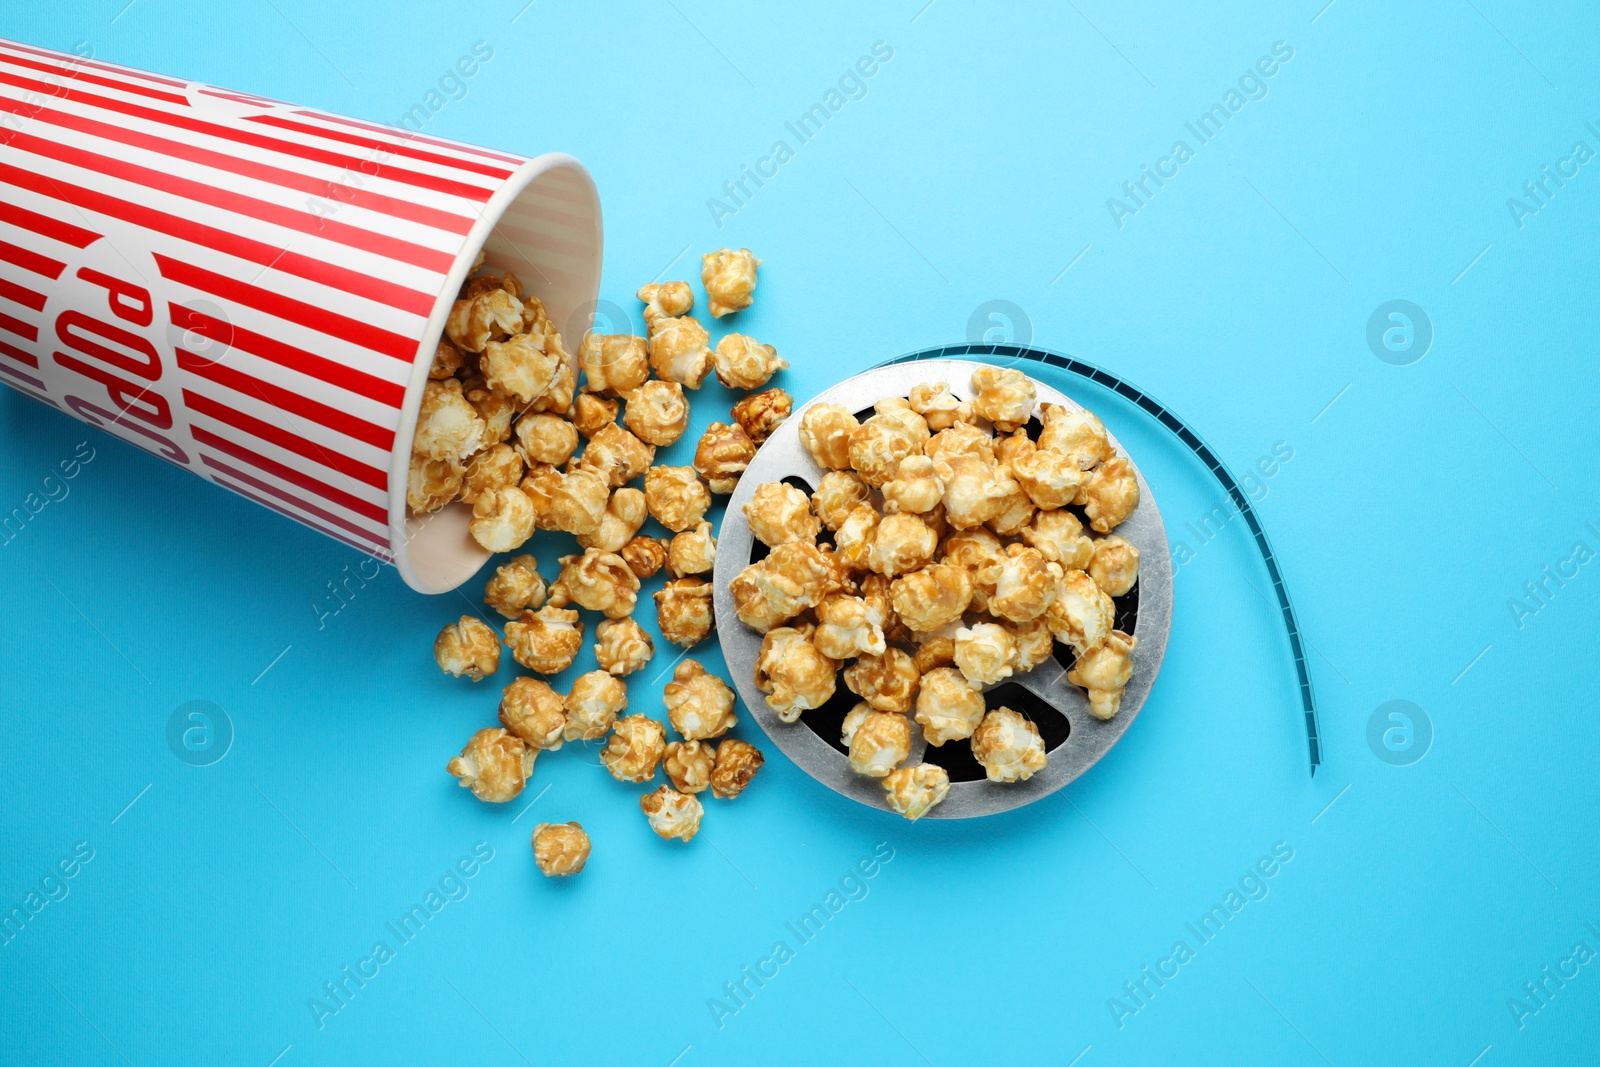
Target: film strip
[{"x": 1194, "y": 444}]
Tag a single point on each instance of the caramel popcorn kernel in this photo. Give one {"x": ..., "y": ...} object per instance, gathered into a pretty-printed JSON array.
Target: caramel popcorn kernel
[
  {"x": 825, "y": 430},
  {"x": 730, "y": 280},
  {"x": 792, "y": 578},
  {"x": 689, "y": 765},
  {"x": 936, "y": 651},
  {"x": 481, "y": 318},
  {"x": 539, "y": 486},
  {"x": 984, "y": 652},
  {"x": 1013, "y": 511},
  {"x": 915, "y": 487},
  {"x": 676, "y": 497},
  {"x": 979, "y": 552},
  {"x": 495, "y": 765},
  {"x": 1110, "y": 495},
  {"x": 672, "y": 815},
  {"x": 903, "y": 543},
  {"x": 613, "y": 364},
  {"x": 1059, "y": 537},
  {"x": 846, "y": 628},
  {"x": 578, "y": 502},
  {"x": 914, "y": 791},
  {"x": 737, "y": 763},
  {"x": 488, "y": 282},
  {"x": 657, "y": 412},
  {"x": 1081, "y": 614},
  {"x": 502, "y": 519},
  {"x": 878, "y": 445},
  {"x": 1050, "y": 479},
  {"x": 635, "y": 747},
  {"x": 625, "y": 513},
  {"x": 546, "y": 438},
  {"x": 1078, "y": 435},
  {"x": 563, "y": 387},
  {"x": 646, "y": 555},
  {"x": 1026, "y": 585},
  {"x": 496, "y": 467},
  {"x": 839, "y": 493},
  {"x": 854, "y": 538},
  {"x": 534, "y": 712},
  {"x": 960, "y": 439},
  {"x": 692, "y": 552},
  {"x": 467, "y": 647},
  {"x": 667, "y": 299},
  {"x": 699, "y": 704},
  {"x": 886, "y": 682},
  {"x": 446, "y": 360},
  {"x": 1009, "y": 746},
  {"x": 761, "y": 413},
  {"x": 1004, "y": 396},
  {"x": 745, "y": 363},
  {"x": 878, "y": 740},
  {"x": 938, "y": 406},
  {"x": 679, "y": 350},
  {"x": 599, "y": 581},
  {"x": 779, "y": 514},
  {"x": 975, "y": 490},
  {"x": 1008, "y": 448},
  {"x": 515, "y": 587},
  {"x": 722, "y": 456},
  {"x": 594, "y": 703},
  {"x": 932, "y": 597},
  {"x": 432, "y": 483},
  {"x": 591, "y": 413},
  {"x": 448, "y": 426},
  {"x": 948, "y": 709},
  {"x": 624, "y": 646},
  {"x": 1034, "y": 643},
  {"x": 684, "y": 612},
  {"x": 878, "y": 592},
  {"x": 616, "y": 455},
  {"x": 1104, "y": 673},
  {"x": 560, "y": 849},
  {"x": 793, "y": 673},
  {"x": 524, "y": 366},
  {"x": 495, "y": 409},
  {"x": 1115, "y": 566},
  {"x": 547, "y": 640}
]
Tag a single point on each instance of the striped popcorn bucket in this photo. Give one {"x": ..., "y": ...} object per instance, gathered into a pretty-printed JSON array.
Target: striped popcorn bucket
[{"x": 254, "y": 290}]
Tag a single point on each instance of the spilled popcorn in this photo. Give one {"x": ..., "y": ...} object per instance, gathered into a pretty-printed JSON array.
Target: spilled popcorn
[
  {"x": 945, "y": 549},
  {"x": 532, "y": 437}
]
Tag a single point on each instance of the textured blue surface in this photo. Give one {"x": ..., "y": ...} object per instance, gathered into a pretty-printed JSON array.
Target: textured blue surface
[{"x": 977, "y": 165}]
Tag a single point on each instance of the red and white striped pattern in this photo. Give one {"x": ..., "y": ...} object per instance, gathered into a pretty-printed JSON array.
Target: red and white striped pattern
[{"x": 292, "y": 261}]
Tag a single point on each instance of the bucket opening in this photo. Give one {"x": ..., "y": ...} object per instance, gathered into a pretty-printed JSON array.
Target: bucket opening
[{"x": 544, "y": 226}]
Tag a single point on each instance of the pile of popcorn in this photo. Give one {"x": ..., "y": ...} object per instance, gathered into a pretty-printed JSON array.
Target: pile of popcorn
[
  {"x": 954, "y": 564},
  {"x": 507, "y": 427}
]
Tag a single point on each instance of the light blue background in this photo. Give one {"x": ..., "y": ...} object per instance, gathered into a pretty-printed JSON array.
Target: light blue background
[{"x": 977, "y": 167}]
